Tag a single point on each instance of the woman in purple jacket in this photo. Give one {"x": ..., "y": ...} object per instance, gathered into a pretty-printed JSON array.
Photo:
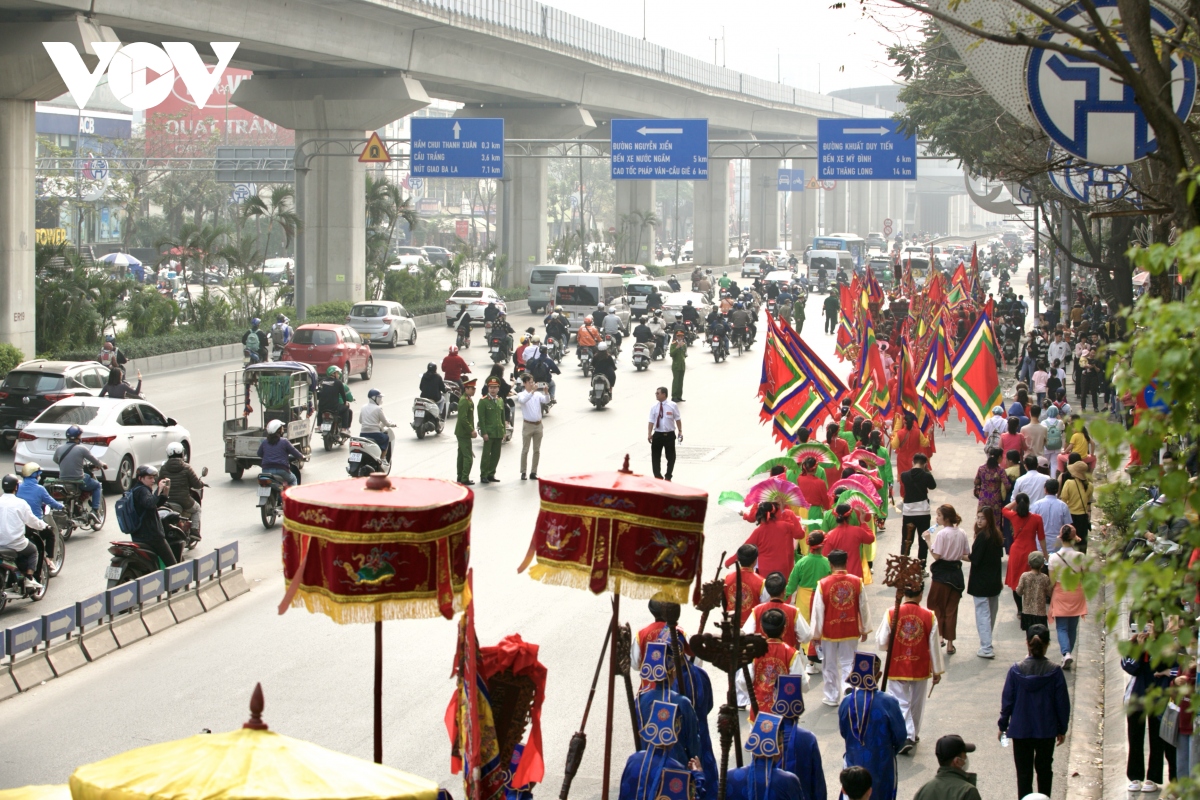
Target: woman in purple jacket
[{"x": 1035, "y": 710}]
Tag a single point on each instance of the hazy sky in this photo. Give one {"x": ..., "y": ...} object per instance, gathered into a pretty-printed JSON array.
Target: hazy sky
[{"x": 805, "y": 35}]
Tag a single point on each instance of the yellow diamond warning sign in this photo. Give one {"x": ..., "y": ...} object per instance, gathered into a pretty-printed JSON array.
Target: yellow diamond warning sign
[{"x": 375, "y": 152}]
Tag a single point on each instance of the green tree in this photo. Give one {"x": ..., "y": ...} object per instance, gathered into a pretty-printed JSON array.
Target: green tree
[{"x": 386, "y": 207}]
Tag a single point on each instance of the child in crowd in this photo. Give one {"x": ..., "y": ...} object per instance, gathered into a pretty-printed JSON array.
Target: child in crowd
[{"x": 1034, "y": 589}]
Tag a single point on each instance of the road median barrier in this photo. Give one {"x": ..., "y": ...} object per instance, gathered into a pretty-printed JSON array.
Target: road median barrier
[{"x": 42, "y": 649}]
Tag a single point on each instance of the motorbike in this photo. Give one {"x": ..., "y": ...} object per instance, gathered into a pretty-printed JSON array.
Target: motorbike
[
  {"x": 641, "y": 356},
  {"x": 498, "y": 348},
  {"x": 133, "y": 560},
  {"x": 558, "y": 350},
  {"x": 821, "y": 285},
  {"x": 12, "y": 583},
  {"x": 250, "y": 357},
  {"x": 614, "y": 349},
  {"x": 366, "y": 456},
  {"x": 601, "y": 392},
  {"x": 510, "y": 414},
  {"x": 463, "y": 339},
  {"x": 427, "y": 417},
  {"x": 454, "y": 390},
  {"x": 771, "y": 306},
  {"x": 719, "y": 350},
  {"x": 77, "y": 507},
  {"x": 191, "y": 531},
  {"x": 332, "y": 433},
  {"x": 689, "y": 331},
  {"x": 585, "y": 360}
]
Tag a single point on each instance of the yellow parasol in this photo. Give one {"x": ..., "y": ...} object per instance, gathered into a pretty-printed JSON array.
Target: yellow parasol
[
  {"x": 248, "y": 764},
  {"x": 58, "y": 791}
]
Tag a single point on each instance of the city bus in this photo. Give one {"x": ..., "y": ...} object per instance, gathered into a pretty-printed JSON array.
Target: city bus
[{"x": 856, "y": 246}]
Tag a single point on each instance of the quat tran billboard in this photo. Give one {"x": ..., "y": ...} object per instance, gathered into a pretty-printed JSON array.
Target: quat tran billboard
[{"x": 177, "y": 127}]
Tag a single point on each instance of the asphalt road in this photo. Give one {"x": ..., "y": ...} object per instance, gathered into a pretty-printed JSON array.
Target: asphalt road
[{"x": 317, "y": 675}]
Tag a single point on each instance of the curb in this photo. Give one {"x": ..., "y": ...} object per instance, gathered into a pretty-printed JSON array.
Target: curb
[
  {"x": 1086, "y": 766},
  {"x": 1116, "y": 745}
]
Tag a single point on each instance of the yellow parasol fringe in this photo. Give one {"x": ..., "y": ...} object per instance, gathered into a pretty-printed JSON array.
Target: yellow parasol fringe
[
  {"x": 634, "y": 588},
  {"x": 351, "y": 613}
]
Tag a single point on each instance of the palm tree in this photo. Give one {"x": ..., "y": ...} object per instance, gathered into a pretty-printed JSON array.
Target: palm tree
[
  {"x": 196, "y": 246},
  {"x": 279, "y": 209},
  {"x": 385, "y": 207}
]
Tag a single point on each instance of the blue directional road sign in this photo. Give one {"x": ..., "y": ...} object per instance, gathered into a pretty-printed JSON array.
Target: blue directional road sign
[
  {"x": 791, "y": 180},
  {"x": 864, "y": 150},
  {"x": 457, "y": 148},
  {"x": 660, "y": 149}
]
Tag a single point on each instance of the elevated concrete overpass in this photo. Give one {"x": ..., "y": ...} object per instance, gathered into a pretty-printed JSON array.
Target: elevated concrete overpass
[{"x": 336, "y": 68}]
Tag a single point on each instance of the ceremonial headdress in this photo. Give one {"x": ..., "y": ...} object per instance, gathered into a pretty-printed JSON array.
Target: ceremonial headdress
[
  {"x": 862, "y": 675},
  {"x": 763, "y": 740},
  {"x": 655, "y": 662},
  {"x": 789, "y": 696},
  {"x": 659, "y": 729}
]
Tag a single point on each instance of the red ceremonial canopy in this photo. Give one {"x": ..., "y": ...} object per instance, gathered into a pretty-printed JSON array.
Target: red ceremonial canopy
[{"x": 619, "y": 532}]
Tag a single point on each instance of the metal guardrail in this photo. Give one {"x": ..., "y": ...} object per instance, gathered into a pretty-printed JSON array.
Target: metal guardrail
[{"x": 568, "y": 33}]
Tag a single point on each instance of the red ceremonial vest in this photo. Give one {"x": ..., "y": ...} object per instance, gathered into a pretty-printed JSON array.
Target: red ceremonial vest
[
  {"x": 768, "y": 668},
  {"x": 752, "y": 584},
  {"x": 911, "y": 660},
  {"x": 840, "y": 592},
  {"x": 789, "y": 613},
  {"x": 658, "y": 632}
]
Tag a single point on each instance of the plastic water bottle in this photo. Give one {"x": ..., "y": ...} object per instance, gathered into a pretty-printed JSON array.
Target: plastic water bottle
[{"x": 1004, "y": 739}]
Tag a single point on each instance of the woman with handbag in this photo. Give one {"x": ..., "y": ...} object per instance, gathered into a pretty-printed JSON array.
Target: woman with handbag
[{"x": 1067, "y": 605}]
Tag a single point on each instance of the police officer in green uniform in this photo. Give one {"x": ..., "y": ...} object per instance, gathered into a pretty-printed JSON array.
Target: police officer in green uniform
[
  {"x": 464, "y": 431},
  {"x": 679, "y": 350},
  {"x": 491, "y": 427}
]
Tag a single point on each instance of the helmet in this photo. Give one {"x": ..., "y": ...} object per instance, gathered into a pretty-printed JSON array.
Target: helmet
[
  {"x": 587, "y": 320},
  {"x": 274, "y": 426},
  {"x": 536, "y": 340},
  {"x": 524, "y": 338},
  {"x": 602, "y": 346},
  {"x": 600, "y": 306},
  {"x": 724, "y": 273},
  {"x": 431, "y": 367},
  {"x": 152, "y": 471},
  {"x": 558, "y": 309},
  {"x": 453, "y": 350},
  {"x": 689, "y": 302},
  {"x": 74, "y": 432},
  {"x": 175, "y": 449},
  {"x": 110, "y": 338},
  {"x": 10, "y": 484},
  {"x": 32, "y": 468},
  {"x": 375, "y": 395},
  {"x": 612, "y": 309},
  {"x": 333, "y": 371},
  {"x": 737, "y": 305},
  {"x": 254, "y": 322}
]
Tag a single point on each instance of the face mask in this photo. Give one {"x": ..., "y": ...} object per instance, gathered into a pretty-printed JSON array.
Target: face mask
[{"x": 966, "y": 765}]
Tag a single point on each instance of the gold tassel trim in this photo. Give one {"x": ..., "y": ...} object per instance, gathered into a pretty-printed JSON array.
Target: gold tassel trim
[
  {"x": 635, "y": 587},
  {"x": 351, "y": 612}
]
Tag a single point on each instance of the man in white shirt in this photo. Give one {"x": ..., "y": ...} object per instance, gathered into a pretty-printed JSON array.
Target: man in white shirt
[
  {"x": 531, "y": 400},
  {"x": 1054, "y": 513},
  {"x": 15, "y": 517},
  {"x": 1032, "y": 483},
  {"x": 1058, "y": 350},
  {"x": 661, "y": 432}
]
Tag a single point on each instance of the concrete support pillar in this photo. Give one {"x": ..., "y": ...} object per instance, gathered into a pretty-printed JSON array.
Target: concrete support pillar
[
  {"x": 835, "y": 208},
  {"x": 764, "y": 203},
  {"x": 860, "y": 208},
  {"x": 635, "y": 201},
  {"x": 710, "y": 239},
  {"x": 524, "y": 230},
  {"x": 331, "y": 250},
  {"x": 27, "y": 75},
  {"x": 804, "y": 208}
]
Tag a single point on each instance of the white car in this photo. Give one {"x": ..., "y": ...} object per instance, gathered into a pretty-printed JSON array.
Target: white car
[
  {"x": 780, "y": 276},
  {"x": 675, "y": 302},
  {"x": 124, "y": 434},
  {"x": 476, "y": 300},
  {"x": 277, "y": 269},
  {"x": 409, "y": 258}
]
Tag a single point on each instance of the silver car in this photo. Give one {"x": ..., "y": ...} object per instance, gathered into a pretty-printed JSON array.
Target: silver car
[{"x": 383, "y": 322}]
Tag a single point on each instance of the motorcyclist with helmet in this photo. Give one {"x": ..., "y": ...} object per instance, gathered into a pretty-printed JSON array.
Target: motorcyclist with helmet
[
  {"x": 281, "y": 333},
  {"x": 255, "y": 341},
  {"x": 72, "y": 457},
  {"x": 659, "y": 331},
  {"x": 491, "y": 313},
  {"x": 183, "y": 479},
  {"x": 433, "y": 388},
  {"x": 642, "y": 333},
  {"x": 503, "y": 331},
  {"x": 453, "y": 366},
  {"x": 588, "y": 334},
  {"x": 691, "y": 315},
  {"x": 15, "y": 517},
  {"x": 739, "y": 320},
  {"x": 718, "y": 326},
  {"x": 111, "y": 355},
  {"x": 603, "y": 364},
  {"x": 334, "y": 396},
  {"x": 654, "y": 300},
  {"x": 557, "y": 327},
  {"x": 673, "y": 283},
  {"x": 149, "y": 494},
  {"x": 612, "y": 327},
  {"x": 463, "y": 324},
  {"x": 276, "y": 454},
  {"x": 542, "y": 368},
  {"x": 32, "y": 491},
  {"x": 374, "y": 423}
]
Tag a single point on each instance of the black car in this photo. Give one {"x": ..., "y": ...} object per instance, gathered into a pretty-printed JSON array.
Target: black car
[{"x": 36, "y": 385}]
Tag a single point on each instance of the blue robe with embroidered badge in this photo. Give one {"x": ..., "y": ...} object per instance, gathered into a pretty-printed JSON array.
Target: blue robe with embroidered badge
[
  {"x": 802, "y": 758},
  {"x": 703, "y": 706},
  {"x": 882, "y": 737},
  {"x": 688, "y": 746},
  {"x": 761, "y": 779},
  {"x": 643, "y": 774}
]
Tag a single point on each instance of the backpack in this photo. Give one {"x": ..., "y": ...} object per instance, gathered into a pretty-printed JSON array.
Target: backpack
[
  {"x": 1054, "y": 431},
  {"x": 108, "y": 358},
  {"x": 277, "y": 336},
  {"x": 993, "y": 440},
  {"x": 129, "y": 520}
]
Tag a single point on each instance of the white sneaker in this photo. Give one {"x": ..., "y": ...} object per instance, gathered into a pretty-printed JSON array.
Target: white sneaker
[
  {"x": 1067, "y": 659},
  {"x": 1135, "y": 786},
  {"x": 31, "y": 583},
  {"x": 986, "y": 653},
  {"x": 1149, "y": 787}
]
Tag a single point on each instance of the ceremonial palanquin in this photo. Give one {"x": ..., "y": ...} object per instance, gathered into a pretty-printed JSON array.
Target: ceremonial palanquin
[
  {"x": 365, "y": 555},
  {"x": 619, "y": 532}
]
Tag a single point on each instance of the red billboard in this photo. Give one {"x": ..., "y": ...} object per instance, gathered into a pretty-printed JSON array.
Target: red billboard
[{"x": 177, "y": 127}]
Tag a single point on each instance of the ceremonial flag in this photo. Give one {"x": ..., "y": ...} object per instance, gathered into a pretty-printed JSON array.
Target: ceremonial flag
[
  {"x": 871, "y": 372},
  {"x": 907, "y": 281},
  {"x": 474, "y": 748},
  {"x": 976, "y": 386},
  {"x": 906, "y": 398},
  {"x": 782, "y": 375},
  {"x": 873, "y": 290},
  {"x": 935, "y": 290},
  {"x": 961, "y": 279},
  {"x": 936, "y": 374},
  {"x": 847, "y": 320},
  {"x": 958, "y": 295},
  {"x": 797, "y": 388}
]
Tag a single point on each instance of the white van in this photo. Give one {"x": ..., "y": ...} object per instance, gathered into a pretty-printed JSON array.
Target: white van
[
  {"x": 541, "y": 284},
  {"x": 833, "y": 261},
  {"x": 579, "y": 292}
]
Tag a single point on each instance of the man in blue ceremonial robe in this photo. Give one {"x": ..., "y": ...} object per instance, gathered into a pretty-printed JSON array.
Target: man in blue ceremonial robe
[
  {"x": 651, "y": 773},
  {"x": 872, "y": 725},
  {"x": 801, "y": 755},
  {"x": 762, "y": 779},
  {"x": 658, "y": 669}
]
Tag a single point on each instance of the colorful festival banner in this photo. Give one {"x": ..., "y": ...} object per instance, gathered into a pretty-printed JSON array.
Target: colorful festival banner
[
  {"x": 871, "y": 372},
  {"x": 935, "y": 378},
  {"x": 818, "y": 399},
  {"x": 976, "y": 376}
]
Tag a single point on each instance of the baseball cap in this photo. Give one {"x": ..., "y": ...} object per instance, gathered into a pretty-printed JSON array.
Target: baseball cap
[
  {"x": 1043, "y": 461},
  {"x": 951, "y": 747}
]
